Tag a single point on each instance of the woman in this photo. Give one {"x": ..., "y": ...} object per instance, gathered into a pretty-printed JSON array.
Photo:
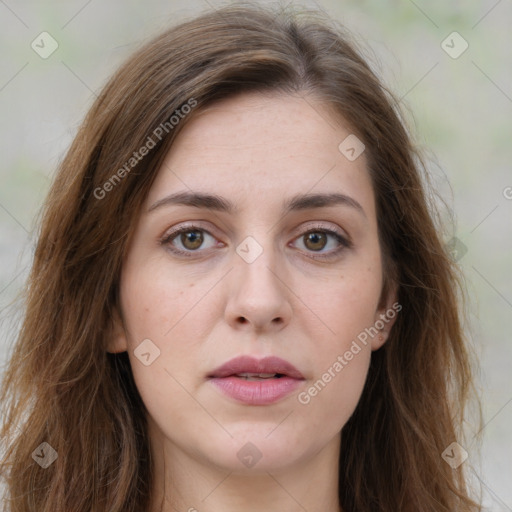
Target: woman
[{"x": 239, "y": 298}]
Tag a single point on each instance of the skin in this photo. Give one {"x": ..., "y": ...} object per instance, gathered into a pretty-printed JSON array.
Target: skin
[{"x": 255, "y": 150}]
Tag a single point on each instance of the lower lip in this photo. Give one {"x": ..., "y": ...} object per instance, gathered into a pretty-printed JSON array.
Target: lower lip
[{"x": 256, "y": 392}]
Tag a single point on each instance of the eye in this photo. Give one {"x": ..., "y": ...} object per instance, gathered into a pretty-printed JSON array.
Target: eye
[
  {"x": 190, "y": 238},
  {"x": 317, "y": 239}
]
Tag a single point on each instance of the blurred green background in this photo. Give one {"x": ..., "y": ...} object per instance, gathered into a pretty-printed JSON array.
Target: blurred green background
[{"x": 459, "y": 108}]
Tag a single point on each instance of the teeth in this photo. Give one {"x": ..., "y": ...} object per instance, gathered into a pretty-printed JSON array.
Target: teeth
[{"x": 256, "y": 376}]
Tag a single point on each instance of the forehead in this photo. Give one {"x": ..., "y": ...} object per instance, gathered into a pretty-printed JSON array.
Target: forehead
[{"x": 259, "y": 149}]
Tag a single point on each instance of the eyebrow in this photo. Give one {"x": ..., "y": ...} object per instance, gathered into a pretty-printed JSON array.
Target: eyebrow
[{"x": 295, "y": 203}]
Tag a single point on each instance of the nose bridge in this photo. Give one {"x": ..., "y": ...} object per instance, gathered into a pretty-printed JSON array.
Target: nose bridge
[
  {"x": 257, "y": 259},
  {"x": 258, "y": 295}
]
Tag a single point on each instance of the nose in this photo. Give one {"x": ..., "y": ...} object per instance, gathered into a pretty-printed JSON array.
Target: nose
[{"x": 258, "y": 297}]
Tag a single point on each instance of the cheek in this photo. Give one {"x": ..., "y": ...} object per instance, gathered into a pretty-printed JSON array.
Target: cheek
[
  {"x": 341, "y": 369},
  {"x": 342, "y": 350},
  {"x": 331, "y": 397},
  {"x": 160, "y": 312},
  {"x": 157, "y": 303},
  {"x": 165, "y": 308},
  {"x": 345, "y": 307}
]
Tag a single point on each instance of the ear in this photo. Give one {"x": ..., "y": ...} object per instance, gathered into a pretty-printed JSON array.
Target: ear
[
  {"x": 385, "y": 316},
  {"x": 116, "y": 337}
]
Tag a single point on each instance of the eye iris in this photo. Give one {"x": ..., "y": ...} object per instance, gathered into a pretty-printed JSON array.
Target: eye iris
[
  {"x": 315, "y": 237},
  {"x": 192, "y": 239}
]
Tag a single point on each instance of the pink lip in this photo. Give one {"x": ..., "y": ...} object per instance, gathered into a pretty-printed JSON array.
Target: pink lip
[{"x": 261, "y": 392}]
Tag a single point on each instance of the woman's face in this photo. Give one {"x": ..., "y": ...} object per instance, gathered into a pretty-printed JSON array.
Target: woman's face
[{"x": 260, "y": 271}]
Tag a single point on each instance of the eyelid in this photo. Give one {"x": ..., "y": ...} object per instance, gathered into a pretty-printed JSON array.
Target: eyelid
[
  {"x": 173, "y": 233},
  {"x": 343, "y": 240},
  {"x": 330, "y": 227}
]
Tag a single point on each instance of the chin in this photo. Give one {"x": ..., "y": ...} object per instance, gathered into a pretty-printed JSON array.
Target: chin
[{"x": 254, "y": 452}]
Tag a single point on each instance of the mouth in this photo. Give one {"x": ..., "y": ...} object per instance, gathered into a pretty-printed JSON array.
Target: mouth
[
  {"x": 259, "y": 376},
  {"x": 256, "y": 381}
]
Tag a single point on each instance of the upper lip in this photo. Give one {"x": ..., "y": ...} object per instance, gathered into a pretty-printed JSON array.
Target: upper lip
[{"x": 249, "y": 364}]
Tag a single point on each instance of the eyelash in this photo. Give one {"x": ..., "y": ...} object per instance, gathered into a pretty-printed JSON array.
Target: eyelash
[{"x": 169, "y": 237}]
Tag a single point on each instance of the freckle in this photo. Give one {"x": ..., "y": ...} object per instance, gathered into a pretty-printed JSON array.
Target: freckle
[{"x": 191, "y": 284}]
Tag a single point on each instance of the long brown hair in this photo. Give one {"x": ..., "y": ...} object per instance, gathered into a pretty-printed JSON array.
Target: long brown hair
[{"x": 63, "y": 388}]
